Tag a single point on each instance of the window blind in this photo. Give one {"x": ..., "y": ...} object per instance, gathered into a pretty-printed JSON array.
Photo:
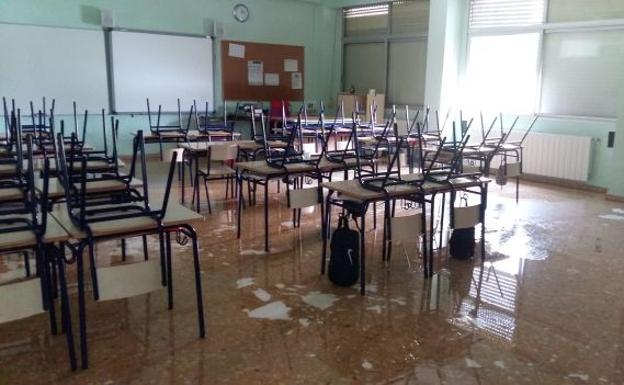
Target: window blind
[
  {"x": 506, "y": 13},
  {"x": 371, "y": 10}
]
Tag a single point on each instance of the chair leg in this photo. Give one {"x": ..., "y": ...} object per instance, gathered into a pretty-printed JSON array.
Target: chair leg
[
  {"x": 326, "y": 232},
  {"x": 123, "y": 249},
  {"x": 46, "y": 284},
  {"x": 65, "y": 312},
  {"x": 207, "y": 196},
  {"x": 53, "y": 280},
  {"x": 84, "y": 357},
  {"x": 198, "y": 283},
  {"x": 145, "y": 253},
  {"x": 389, "y": 224},
  {"x": 196, "y": 189},
  {"x": 163, "y": 260},
  {"x": 26, "y": 263},
  {"x": 169, "y": 271}
]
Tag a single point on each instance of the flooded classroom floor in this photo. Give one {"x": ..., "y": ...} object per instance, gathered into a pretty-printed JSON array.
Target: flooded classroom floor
[{"x": 546, "y": 306}]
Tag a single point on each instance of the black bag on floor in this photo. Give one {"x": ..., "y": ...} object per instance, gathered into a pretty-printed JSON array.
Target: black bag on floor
[
  {"x": 462, "y": 243},
  {"x": 344, "y": 259}
]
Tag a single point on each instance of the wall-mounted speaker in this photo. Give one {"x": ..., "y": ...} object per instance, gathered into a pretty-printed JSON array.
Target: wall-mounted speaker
[
  {"x": 218, "y": 29},
  {"x": 108, "y": 18},
  {"x": 611, "y": 139}
]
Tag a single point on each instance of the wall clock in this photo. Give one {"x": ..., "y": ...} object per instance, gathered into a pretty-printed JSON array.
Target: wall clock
[{"x": 241, "y": 13}]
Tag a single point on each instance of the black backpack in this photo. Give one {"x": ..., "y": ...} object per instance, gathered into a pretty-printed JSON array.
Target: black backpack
[
  {"x": 344, "y": 260},
  {"x": 462, "y": 243}
]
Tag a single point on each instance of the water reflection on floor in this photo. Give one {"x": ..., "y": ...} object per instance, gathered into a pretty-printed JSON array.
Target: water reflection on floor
[{"x": 547, "y": 307}]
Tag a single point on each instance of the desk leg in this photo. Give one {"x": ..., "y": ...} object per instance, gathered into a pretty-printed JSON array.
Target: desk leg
[
  {"x": 239, "y": 185},
  {"x": 326, "y": 228},
  {"x": 363, "y": 256},
  {"x": 386, "y": 236},
  {"x": 84, "y": 357},
  {"x": 196, "y": 188},
  {"x": 484, "y": 193},
  {"x": 442, "y": 220},
  {"x": 182, "y": 187},
  {"x": 429, "y": 264},
  {"x": 169, "y": 271},
  {"x": 423, "y": 224},
  {"x": 65, "y": 312},
  {"x": 266, "y": 215}
]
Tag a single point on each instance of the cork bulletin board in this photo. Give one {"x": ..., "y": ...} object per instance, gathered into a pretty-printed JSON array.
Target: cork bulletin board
[{"x": 258, "y": 71}]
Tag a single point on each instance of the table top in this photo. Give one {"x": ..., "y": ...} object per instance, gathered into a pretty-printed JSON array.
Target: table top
[
  {"x": 248, "y": 145},
  {"x": 176, "y": 215},
  {"x": 56, "y": 190},
  {"x": 261, "y": 168},
  {"x": 353, "y": 189},
  {"x": 191, "y": 134},
  {"x": 314, "y": 119},
  {"x": 54, "y": 233}
]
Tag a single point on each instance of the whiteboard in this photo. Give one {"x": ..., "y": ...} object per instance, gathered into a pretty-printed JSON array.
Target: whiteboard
[
  {"x": 162, "y": 68},
  {"x": 582, "y": 73},
  {"x": 58, "y": 63}
]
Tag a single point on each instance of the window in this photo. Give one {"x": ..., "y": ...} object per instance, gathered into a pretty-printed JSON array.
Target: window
[
  {"x": 407, "y": 72},
  {"x": 385, "y": 48},
  {"x": 362, "y": 21},
  {"x": 505, "y": 13},
  {"x": 366, "y": 64},
  {"x": 579, "y": 10},
  {"x": 582, "y": 73},
  {"x": 571, "y": 55},
  {"x": 502, "y": 73}
]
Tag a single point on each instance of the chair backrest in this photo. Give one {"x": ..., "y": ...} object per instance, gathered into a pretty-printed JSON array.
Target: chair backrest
[
  {"x": 223, "y": 152},
  {"x": 280, "y": 108},
  {"x": 513, "y": 170},
  {"x": 465, "y": 217},
  {"x": 405, "y": 228},
  {"x": 304, "y": 197}
]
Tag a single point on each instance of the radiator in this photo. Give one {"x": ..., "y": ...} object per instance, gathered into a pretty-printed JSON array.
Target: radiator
[{"x": 558, "y": 156}]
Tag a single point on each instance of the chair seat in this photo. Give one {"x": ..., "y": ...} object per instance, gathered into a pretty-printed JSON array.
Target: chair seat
[
  {"x": 104, "y": 186},
  {"x": 217, "y": 170},
  {"x": 92, "y": 165},
  {"x": 8, "y": 169},
  {"x": 122, "y": 226},
  {"x": 17, "y": 239},
  {"x": 10, "y": 194}
]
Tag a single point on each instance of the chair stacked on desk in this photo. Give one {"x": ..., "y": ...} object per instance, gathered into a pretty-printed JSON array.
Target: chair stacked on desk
[
  {"x": 25, "y": 228},
  {"x": 168, "y": 133},
  {"x": 440, "y": 171},
  {"x": 206, "y": 123},
  {"x": 92, "y": 216}
]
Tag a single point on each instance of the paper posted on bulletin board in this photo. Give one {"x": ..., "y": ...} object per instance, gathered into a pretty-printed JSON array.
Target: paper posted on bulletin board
[
  {"x": 296, "y": 80},
  {"x": 255, "y": 73}
]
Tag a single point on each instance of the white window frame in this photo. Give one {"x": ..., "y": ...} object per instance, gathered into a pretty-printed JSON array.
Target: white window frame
[
  {"x": 385, "y": 38},
  {"x": 544, "y": 28}
]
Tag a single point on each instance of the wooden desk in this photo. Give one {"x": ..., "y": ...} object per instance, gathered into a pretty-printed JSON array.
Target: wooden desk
[
  {"x": 176, "y": 215},
  {"x": 25, "y": 239},
  {"x": 177, "y": 219},
  {"x": 260, "y": 171},
  {"x": 352, "y": 190},
  {"x": 314, "y": 119},
  {"x": 56, "y": 190},
  {"x": 194, "y": 150},
  {"x": 11, "y": 194},
  {"x": 245, "y": 145}
]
